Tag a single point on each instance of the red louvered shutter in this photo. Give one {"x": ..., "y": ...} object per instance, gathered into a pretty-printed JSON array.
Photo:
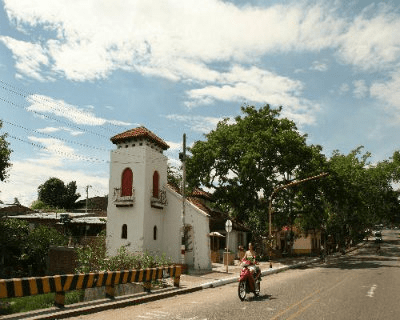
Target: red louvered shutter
[
  {"x": 127, "y": 179},
  {"x": 155, "y": 184}
]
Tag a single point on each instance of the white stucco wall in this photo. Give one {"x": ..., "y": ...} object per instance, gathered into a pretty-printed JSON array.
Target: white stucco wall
[
  {"x": 132, "y": 158},
  {"x": 172, "y": 237},
  {"x": 142, "y": 217}
]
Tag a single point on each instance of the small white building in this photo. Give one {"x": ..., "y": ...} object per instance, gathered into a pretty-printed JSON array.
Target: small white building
[{"x": 144, "y": 213}]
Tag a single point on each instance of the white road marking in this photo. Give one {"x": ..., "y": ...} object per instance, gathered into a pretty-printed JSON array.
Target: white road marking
[{"x": 371, "y": 291}]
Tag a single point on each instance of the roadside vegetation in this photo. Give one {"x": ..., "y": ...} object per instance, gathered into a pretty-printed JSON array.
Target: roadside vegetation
[
  {"x": 93, "y": 258},
  {"x": 244, "y": 159},
  {"x": 24, "y": 250},
  {"x": 42, "y": 301}
]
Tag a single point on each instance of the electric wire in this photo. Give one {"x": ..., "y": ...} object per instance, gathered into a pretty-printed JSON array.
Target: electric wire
[
  {"x": 68, "y": 155},
  {"x": 53, "y": 137},
  {"x": 44, "y": 100},
  {"x": 51, "y": 118}
]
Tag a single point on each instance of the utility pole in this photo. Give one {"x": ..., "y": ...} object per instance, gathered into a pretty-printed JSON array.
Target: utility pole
[
  {"x": 274, "y": 192},
  {"x": 87, "y": 197},
  {"x": 182, "y": 157}
]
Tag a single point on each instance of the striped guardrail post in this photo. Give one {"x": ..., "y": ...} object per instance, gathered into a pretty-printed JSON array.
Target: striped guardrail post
[{"x": 59, "y": 284}]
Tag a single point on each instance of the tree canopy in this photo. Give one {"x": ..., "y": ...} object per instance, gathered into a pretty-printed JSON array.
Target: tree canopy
[
  {"x": 56, "y": 194},
  {"x": 5, "y": 153},
  {"x": 245, "y": 159},
  {"x": 22, "y": 248}
]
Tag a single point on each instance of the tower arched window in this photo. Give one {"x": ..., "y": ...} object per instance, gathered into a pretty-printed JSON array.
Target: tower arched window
[
  {"x": 126, "y": 183},
  {"x": 156, "y": 182},
  {"x": 155, "y": 233},
  {"x": 124, "y": 233}
]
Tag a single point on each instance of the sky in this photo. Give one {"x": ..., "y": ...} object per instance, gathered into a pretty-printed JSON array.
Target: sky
[{"x": 75, "y": 73}]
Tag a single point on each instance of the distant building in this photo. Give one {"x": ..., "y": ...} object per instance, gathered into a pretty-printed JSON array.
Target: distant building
[{"x": 13, "y": 210}]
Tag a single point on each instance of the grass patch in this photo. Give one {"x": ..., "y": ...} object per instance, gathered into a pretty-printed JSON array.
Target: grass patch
[{"x": 41, "y": 301}]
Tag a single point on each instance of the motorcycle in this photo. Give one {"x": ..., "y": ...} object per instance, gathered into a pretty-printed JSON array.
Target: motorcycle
[{"x": 249, "y": 282}]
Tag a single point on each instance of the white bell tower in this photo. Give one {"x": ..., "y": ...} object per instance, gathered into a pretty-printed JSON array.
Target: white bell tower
[{"x": 137, "y": 196}]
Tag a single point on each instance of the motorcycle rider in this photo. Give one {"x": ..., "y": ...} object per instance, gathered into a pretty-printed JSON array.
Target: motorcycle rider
[{"x": 249, "y": 258}]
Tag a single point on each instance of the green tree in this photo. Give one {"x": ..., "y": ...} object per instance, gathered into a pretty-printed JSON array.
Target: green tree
[
  {"x": 56, "y": 194},
  {"x": 37, "y": 247},
  {"x": 356, "y": 195},
  {"x": 5, "y": 153},
  {"x": 13, "y": 238},
  {"x": 23, "y": 249},
  {"x": 245, "y": 159}
]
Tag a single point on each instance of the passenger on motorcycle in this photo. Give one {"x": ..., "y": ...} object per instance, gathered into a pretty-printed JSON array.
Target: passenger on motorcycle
[{"x": 249, "y": 259}]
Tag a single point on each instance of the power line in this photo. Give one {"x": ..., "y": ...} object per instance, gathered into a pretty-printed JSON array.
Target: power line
[
  {"x": 68, "y": 155},
  {"x": 57, "y": 138},
  {"x": 42, "y": 99},
  {"x": 52, "y": 118}
]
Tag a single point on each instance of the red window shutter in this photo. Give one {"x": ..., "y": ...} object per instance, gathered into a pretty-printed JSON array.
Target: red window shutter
[
  {"x": 126, "y": 186},
  {"x": 155, "y": 184}
]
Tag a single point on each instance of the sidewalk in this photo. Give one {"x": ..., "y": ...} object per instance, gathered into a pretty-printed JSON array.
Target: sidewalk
[{"x": 219, "y": 276}]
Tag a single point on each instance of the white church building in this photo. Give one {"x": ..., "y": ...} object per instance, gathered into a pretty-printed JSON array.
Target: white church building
[{"x": 144, "y": 212}]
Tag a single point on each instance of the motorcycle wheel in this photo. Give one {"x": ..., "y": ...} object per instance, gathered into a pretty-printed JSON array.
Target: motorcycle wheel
[
  {"x": 257, "y": 289},
  {"x": 242, "y": 290}
]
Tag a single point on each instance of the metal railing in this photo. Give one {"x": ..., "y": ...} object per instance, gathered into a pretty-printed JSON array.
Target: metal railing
[
  {"x": 161, "y": 201},
  {"x": 22, "y": 287},
  {"x": 120, "y": 200}
]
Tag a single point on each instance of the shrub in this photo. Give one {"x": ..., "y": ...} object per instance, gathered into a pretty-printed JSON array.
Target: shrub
[{"x": 93, "y": 258}]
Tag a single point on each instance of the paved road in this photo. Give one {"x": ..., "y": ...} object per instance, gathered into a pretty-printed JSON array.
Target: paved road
[{"x": 362, "y": 285}]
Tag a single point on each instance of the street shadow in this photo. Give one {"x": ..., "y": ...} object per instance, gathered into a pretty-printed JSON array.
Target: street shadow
[{"x": 261, "y": 297}]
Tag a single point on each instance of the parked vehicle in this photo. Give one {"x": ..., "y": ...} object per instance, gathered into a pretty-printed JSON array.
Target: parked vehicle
[
  {"x": 378, "y": 236},
  {"x": 249, "y": 282}
]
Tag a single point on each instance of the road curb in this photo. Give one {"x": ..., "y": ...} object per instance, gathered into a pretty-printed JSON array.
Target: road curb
[{"x": 120, "y": 302}]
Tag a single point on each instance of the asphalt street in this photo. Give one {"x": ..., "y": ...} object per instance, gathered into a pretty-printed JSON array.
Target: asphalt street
[{"x": 361, "y": 285}]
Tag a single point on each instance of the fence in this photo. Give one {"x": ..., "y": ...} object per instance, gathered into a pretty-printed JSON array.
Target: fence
[{"x": 22, "y": 287}]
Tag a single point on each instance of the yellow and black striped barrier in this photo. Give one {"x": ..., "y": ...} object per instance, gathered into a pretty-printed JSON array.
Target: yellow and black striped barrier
[{"x": 22, "y": 287}]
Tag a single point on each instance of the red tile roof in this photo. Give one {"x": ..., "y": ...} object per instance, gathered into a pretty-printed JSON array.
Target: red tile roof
[{"x": 140, "y": 132}]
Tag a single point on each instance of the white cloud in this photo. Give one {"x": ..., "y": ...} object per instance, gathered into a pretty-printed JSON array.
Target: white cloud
[
  {"x": 26, "y": 176},
  {"x": 29, "y": 57},
  {"x": 173, "y": 39},
  {"x": 388, "y": 92},
  {"x": 60, "y": 108},
  {"x": 174, "y": 145},
  {"x": 200, "y": 124},
  {"x": 180, "y": 40},
  {"x": 177, "y": 39},
  {"x": 53, "y": 129},
  {"x": 371, "y": 41},
  {"x": 256, "y": 85},
  {"x": 319, "y": 66},
  {"x": 360, "y": 89},
  {"x": 48, "y": 161},
  {"x": 344, "y": 88}
]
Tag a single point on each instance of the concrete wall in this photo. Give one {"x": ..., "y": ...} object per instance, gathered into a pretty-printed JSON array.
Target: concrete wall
[{"x": 61, "y": 260}]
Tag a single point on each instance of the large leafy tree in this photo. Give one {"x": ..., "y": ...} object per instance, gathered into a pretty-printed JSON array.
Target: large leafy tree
[
  {"x": 5, "y": 153},
  {"x": 245, "y": 159},
  {"x": 355, "y": 196},
  {"x": 24, "y": 250},
  {"x": 56, "y": 194}
]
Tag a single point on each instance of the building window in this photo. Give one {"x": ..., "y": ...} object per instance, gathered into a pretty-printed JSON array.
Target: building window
[
  {"x": 155, "y": 233},
  {"x": 124, "y": 234},
  {"x": 156, "y": 181},
  {"x": 126, "y": 184}
]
